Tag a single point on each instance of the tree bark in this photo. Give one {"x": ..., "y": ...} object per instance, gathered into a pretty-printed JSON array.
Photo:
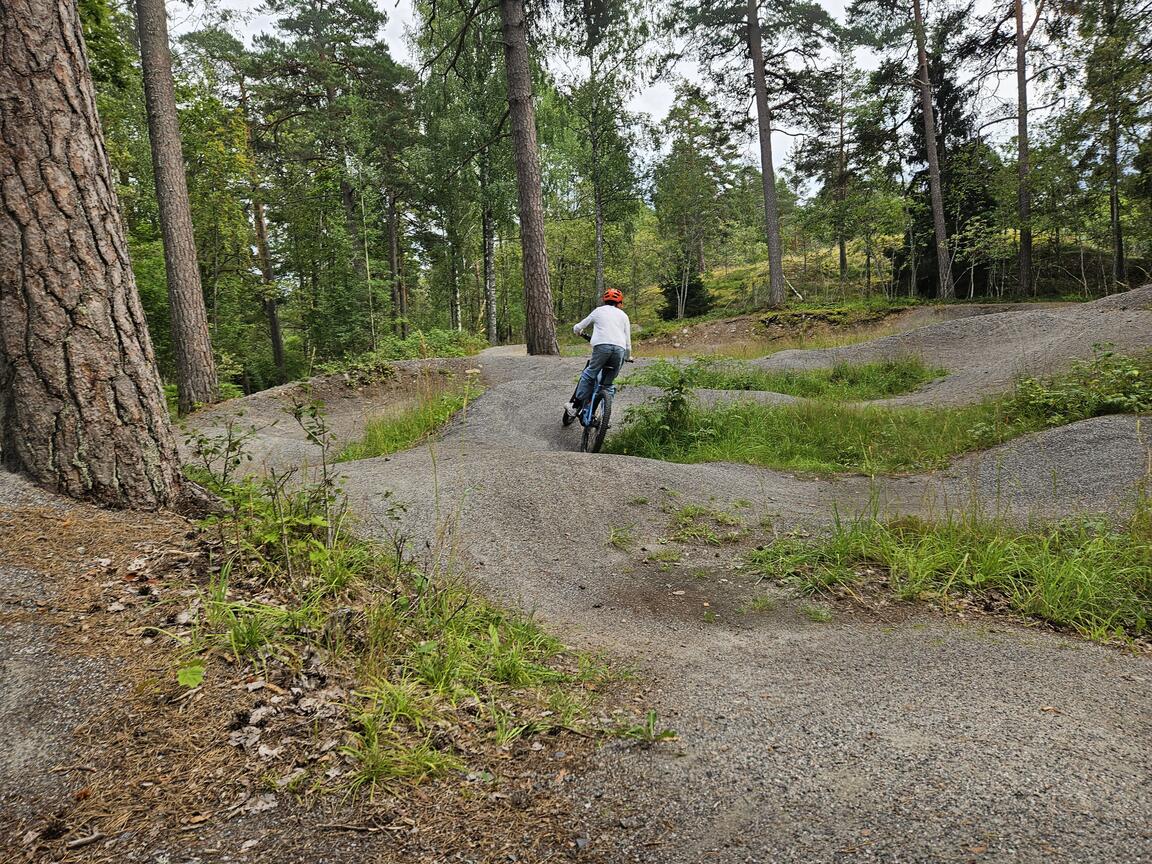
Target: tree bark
[
  {"x": 195, "y": 364},
  {"x": 395, "y": 271},
  {"x": 776, "y": 290},
  {"x": 947, "y": 289},
  {"x": 539, "y": 319},
  {"x": 1023, "y": 189},
  {"x": 81, "y": 407}
]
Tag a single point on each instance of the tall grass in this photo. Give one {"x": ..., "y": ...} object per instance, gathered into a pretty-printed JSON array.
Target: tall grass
[
  {"x": 391, "y": 434},
  {"x": 841, "y": 382},
  {"x": 1085, "y": 574},
  {"x": 826, "y": 436}
]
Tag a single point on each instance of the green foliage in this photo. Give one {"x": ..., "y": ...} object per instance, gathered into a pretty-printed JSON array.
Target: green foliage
[
  {"x": 394, "y": 433},
  {"x": 419, "y": 345},
  {"x": 842, "y": 382},
  {"x": 647, "y": 732},
  {"x": 1085, "y": 574},
  {"x": 825, "y": 436},
  {"x": 1109, "y": 383},
  {"x": 423, "y": 650}
]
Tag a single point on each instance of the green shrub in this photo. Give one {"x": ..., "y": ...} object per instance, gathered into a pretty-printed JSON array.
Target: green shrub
[{"x": 1109, "y": 383}]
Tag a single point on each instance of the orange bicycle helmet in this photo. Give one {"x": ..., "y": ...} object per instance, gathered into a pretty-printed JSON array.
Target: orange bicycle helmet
[{"x": 613, "y": 295}]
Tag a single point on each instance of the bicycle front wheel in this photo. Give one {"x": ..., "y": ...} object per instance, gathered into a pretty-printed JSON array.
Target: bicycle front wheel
[{"x": 594, "y": 432}]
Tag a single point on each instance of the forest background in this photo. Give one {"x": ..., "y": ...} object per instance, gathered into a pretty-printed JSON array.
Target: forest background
[{"x": 344, "y": 201}]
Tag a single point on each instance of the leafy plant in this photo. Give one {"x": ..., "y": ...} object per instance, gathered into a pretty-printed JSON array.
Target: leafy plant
[{"x": 647, "y": 732}]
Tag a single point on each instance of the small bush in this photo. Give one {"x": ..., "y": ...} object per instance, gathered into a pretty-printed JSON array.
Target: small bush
[{"x": 1109, "y": 383}]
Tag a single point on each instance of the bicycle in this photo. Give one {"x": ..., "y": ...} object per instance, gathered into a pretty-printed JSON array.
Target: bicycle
[{"x": 594, "y": 416}]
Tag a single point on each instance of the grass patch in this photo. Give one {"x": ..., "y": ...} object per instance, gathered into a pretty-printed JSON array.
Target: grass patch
[
  {"x": 392, "y": 434},
  {"x": 826, "y": 436},
  {"x": 842, "y": 382},
  {"x": 1086, "y": 574},
  {"x": 705, "y": 526},
  {"x": 434, "y": 675},
  {"x": 420, "y": 345}
]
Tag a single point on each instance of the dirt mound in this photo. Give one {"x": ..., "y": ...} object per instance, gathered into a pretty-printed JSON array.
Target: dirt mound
[
  {"x": 1137, "y": 298},
  {"x": 985, "y": 354}
]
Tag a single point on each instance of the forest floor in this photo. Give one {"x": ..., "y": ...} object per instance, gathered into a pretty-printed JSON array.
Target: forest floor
[{"x": 892, "y": 732}]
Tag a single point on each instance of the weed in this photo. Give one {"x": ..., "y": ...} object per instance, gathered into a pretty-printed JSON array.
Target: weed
[
  {"x": 416, "y": 643},
  {"x": 696, "y": 524},
  {"x": 759, "y": 603},
  {"x": 817, "y": 614},
  {"x": 621, "y": 537},
  {"x": 710, "y": 617},
  {"x": 647, "y": 732},
  {"x": 666, "y": 556},
  {"x": 830, "y": 437},
  {"x": 638, "y": 502}
]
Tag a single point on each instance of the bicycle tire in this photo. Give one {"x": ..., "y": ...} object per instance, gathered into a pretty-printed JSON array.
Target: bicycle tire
[
  {"x": 587, "y": 435},
  {"x": 602, "y": 429}
]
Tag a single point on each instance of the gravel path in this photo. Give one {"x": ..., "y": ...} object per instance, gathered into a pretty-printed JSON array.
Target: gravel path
[{"x": 894, "y": 735}]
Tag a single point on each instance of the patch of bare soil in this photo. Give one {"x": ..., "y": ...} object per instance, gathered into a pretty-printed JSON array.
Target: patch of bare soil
[{"x": 112, "y": 760}]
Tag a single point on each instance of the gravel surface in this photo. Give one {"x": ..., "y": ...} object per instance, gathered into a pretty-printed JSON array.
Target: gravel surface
[{"x": 894, "y": 736}]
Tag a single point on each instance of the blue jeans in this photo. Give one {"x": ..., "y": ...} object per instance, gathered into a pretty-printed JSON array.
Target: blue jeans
[{"x": 606, "y": 361}]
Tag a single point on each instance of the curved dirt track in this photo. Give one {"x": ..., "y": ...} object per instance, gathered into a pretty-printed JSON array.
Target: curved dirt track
[{"x": 893, "y": 735}]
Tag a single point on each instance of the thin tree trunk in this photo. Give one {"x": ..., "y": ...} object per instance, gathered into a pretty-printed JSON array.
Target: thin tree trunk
[
  {"x": 947, "y": 289},
  {"x": 268, "y": 294},
  {"x": 1024, "y": 190},
  {"x": 597, "y": 178},
  {"x": 195, "y": 364},
  {"x": 842, "y": 194},
  {"x": 489, "y": 240},
  {"x": 399, "y": 310},
  {"x": 1119, "y": 264},
  {"x": 81, "y": 407},
  {"x": 776, "y": 289},
  {"x": 539, "y": 319}
]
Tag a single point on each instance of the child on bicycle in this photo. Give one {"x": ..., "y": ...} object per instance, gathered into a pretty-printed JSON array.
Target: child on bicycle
[{"x": 611, "y": 346}]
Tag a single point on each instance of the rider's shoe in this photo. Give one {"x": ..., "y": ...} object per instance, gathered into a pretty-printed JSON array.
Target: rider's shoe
[{"x": 571, "y": 410}]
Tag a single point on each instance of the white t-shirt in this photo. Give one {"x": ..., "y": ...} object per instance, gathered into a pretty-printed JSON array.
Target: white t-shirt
[{"x": 610, "y": 326}]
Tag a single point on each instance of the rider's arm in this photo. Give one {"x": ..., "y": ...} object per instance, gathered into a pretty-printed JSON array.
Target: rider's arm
[
  {"x": 628, "y": 331},
  {"x": 579, "y": 328}
]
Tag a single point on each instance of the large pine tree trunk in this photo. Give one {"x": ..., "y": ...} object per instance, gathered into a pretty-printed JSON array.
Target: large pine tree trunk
[
  {"x": 81, "y": 408},
  {"x": 539, "y": 320},
  {"x": 776, "y": 291},
  {"x": 1023, "y": 189},
  {"x": 195, "y": 365},
  {"x": 947, "y": 290}
]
